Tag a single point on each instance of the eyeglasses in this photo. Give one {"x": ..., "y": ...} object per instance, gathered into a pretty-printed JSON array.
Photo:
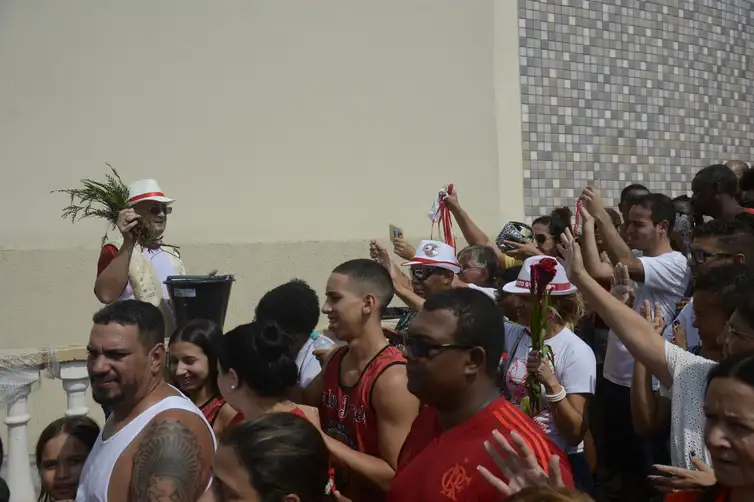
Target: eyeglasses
[
  {"x": 421, "y": 349},
  {"x": 423, "y": 273},
  {"x": 700, "y": 256},
  {"x": 160, "y": 208}
]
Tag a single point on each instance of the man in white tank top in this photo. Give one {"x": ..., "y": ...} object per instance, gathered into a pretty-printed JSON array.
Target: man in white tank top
[{"x": 156, "y": 445}]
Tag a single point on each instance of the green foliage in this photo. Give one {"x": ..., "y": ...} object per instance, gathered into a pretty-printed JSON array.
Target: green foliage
[{"x": 95, "y": 199}]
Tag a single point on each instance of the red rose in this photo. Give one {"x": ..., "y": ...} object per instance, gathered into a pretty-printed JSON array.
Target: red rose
[{"x": 542, "y": 274}]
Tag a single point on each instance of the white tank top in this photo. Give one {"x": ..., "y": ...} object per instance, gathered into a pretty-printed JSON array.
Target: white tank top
[{"x": 95, "y": 477}]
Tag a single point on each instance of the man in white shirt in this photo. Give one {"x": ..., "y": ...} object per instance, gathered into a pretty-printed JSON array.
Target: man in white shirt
[
  {"x": 661, "y": 275},
  {"x": 294, "y": 306}
]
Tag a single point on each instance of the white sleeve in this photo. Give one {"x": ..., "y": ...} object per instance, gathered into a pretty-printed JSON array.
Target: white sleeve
[
  {"x": 679, "y": 360},
  {"x": 667, "y": 273},
  {"x": 579, "y": 376}
]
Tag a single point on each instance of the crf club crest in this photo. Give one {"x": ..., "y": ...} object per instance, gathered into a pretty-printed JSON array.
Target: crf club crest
[{"x": 454, "y": 480}]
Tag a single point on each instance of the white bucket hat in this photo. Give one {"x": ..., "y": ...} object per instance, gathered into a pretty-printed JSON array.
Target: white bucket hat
[
  {"x": 559, "y": 286},
  {"x": 142, "y": 190},
  {"x": 435, "y": 254}
]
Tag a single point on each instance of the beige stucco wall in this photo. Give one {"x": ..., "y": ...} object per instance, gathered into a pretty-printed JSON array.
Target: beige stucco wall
[{"x": 290, "y": 133}]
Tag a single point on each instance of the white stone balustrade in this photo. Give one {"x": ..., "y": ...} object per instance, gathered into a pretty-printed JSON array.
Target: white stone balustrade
[{"x": 19, "y": 371}]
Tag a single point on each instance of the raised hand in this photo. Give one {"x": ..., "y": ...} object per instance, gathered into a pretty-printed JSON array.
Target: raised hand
[
  {"x": 653, "y": 317},
  {"x": 593, "y": 201},
  {"x": 379, "y": 253},
  {"x": 679, "y": 479},
  {"x": 403, "y": 248},
  {"x": 520, "y": 469},
  {"x": 622, "y": 287},
  {"x": 572, "y": 260}
]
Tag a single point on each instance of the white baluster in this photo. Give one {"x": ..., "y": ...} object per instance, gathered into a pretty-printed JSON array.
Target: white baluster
[
  {"x": 19, "y": 471},
  {"x": 75, "y": 382}
]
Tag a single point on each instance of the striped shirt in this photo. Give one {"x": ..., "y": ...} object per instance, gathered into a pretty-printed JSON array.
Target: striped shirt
[{"x": 438, "y": 465}]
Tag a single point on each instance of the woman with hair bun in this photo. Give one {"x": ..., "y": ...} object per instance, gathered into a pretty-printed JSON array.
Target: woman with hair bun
[
  {"x": 257, "y": 370},
  {"x": 547, "y": 231}
]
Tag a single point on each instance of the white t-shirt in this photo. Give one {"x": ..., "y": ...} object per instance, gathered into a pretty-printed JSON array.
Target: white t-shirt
[
  {"x": 689, "y": 373},
  {"x": 308, "y": 364},
  {"x": 575, "y": 369},
  {"x": 686, "y": 319},
  {"x": 666, "y": 278}
]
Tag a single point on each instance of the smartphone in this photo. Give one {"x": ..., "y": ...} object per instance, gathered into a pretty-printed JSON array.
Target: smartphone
[{"x": 395, "y": 232}]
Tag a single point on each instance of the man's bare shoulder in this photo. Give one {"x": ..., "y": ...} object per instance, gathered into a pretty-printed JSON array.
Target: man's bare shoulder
[{"x": 171, "y": 459}]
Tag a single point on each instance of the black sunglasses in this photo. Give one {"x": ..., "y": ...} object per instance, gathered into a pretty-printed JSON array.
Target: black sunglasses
[
  {"x": 420, "y": 349},
  {"x": 423, "y": 273},
  {"x": 160, "y": 208},
  {"x": 540, "y": 238}
]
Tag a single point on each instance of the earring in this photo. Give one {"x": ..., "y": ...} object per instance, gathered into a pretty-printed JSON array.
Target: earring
[{"x": 232, "y": 387}]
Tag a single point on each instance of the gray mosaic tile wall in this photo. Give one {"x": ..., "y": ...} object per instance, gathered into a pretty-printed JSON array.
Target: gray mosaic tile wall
[{"x": 622, "y": 91}]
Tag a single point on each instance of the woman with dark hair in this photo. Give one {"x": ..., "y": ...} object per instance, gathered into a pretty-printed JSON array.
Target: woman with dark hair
[
  {"x": 547, "y": 231},
  {"x": 61, "y": 451},
  {"x": 274, "y": 458},
  {"x": 257, "y": 370},
  {"x": 193, "y": 368}
]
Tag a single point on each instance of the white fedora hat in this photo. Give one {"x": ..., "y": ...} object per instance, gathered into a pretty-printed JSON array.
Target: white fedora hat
[
  {"x": 142, "y": 190},
  {"x": 435, "y": 254},
  {"x": 559, "y": 286}
]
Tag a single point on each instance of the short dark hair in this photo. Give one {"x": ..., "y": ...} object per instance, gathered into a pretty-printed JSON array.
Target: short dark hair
[
  {"x": 204, "y": 334},
  {"x": 485, "y": 256},
  {"x": 733, "y": 236},
  {"x": 661, "y": 207},
  {"x": 145, "y": 316},
  {"x": 719, "y": 176},
  {"x": 261, "y": 355},
  {"x": 479, "y": 321},
  {"x": 630, "y": 191},
  {"x": 283, "y": 454},
  {"x": 294, "y": 306},
  {"x": 721, "y": 282},
  {"x": 371, "y": 275}
]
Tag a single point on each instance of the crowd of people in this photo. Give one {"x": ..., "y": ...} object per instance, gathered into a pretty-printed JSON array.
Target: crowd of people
[{"x": 647, "y": 384}]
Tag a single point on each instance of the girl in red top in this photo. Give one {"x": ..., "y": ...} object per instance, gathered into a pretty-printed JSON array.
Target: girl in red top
[{"x": 193, "y": 369}]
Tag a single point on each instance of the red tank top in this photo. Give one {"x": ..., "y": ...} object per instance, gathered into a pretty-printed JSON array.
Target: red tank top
[
  {"x": 212, "y": 408},
  {"x": 347, "y": 415}
]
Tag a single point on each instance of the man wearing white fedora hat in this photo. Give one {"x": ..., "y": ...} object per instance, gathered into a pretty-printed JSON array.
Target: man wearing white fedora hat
[{"x": 136, "y": 264}]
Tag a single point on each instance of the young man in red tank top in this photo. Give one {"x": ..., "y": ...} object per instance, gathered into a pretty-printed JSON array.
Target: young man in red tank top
[
  {"x": 453, "y": 348},
  {"x": 365, "y": 408}
]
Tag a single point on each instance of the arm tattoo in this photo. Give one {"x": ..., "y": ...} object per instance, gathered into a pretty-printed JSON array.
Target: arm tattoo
[{"x": 167, "y": 465}]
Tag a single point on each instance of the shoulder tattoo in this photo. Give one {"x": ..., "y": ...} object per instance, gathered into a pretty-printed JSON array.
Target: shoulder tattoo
[{"x": 167, "y": 465}]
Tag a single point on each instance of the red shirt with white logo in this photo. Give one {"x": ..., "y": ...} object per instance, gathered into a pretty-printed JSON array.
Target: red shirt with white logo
[
  {"x": 437, "y": 465},
  {"x": 347, "y": 414}
]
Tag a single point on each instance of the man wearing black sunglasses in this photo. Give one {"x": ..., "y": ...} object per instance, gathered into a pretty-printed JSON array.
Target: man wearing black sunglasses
[{"x": 453, "y": 347}]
